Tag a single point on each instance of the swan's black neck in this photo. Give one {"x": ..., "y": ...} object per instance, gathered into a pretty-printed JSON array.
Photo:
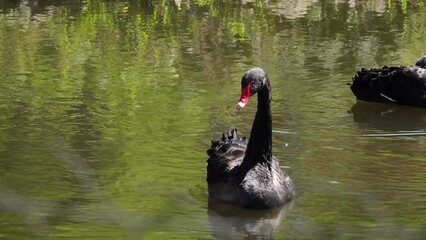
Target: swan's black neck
[{"x": 259, "y": 147}]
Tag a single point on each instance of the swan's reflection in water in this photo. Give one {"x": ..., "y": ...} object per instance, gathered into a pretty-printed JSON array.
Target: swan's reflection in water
[
  {"x": 229, "y": 222},
  {"x": 389, "y": 117}
]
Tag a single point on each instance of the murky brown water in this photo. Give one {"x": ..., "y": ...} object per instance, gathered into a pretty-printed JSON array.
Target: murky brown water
[{"x": 107, "y": 109}]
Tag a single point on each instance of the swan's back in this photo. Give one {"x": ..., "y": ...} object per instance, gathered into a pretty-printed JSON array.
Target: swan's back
[{"x": 400, "y": 85}]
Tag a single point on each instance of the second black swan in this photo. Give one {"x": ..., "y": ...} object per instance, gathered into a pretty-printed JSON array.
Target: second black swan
[
  {"x": 404, "y": 85},
  {"x": 243, "y": 172}
]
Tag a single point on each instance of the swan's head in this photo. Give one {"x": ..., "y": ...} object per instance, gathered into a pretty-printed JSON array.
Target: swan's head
[
  {"x": 421, "y": 62},
  {"x": 251, "y": 83}
]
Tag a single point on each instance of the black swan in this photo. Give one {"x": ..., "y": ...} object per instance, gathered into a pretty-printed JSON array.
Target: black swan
[
  {"x": 399, "y": 85},
  {"x": 243, "y": 172}
]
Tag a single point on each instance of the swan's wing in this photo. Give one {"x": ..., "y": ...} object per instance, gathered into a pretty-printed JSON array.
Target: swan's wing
[
  {"x": 220, "y": 164},
  {"x": 409, "y": 86},
  {"x": 403, "y": 85},
  {"x": 367, "y": 84},
  {"x": 224, "y": 155}
]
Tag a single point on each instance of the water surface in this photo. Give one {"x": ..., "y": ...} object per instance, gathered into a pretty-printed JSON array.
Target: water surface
[{"x": 107, "y": 109}]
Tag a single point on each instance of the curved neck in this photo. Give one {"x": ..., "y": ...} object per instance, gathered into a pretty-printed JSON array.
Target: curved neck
[{"x": 259, "y": 147}]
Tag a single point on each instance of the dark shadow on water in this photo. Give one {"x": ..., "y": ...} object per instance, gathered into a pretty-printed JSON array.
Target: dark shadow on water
[
  {"x": 388, "y": 117},
  {"x": 229, "y": 222}
]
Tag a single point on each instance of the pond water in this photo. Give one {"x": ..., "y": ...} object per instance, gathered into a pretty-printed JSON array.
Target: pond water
[{"x": 108, "y": 108}]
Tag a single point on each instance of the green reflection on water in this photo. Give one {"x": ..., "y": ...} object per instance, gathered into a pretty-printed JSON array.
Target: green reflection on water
[{"x": 108, "y": 108}]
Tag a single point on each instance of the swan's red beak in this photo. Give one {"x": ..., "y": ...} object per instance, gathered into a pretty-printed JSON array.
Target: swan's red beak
[{"x": 245, "y": 96}]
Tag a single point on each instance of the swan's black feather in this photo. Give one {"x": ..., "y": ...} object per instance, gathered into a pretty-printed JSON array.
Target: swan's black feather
[
  {"x": 397, "y": 85},
  {"x": 262, "y": 186},
  {"x": 227, "y": 141},
  {"x": 224, "y": 155}
]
